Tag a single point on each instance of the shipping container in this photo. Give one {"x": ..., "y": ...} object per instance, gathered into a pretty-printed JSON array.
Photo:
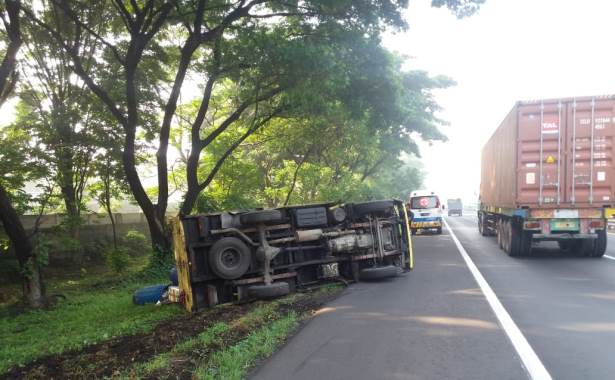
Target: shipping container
[{"x": 547, "y": 173}]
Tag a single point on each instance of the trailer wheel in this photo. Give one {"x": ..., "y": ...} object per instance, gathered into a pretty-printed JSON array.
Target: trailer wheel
[
  {"x": 261, "y": 216},
  {"x": 482, "y": 228},
  {"x": 361, "y": 209},
  {"x": 525, "y": 243},
  {"x": 268, "y": 291},
  {"x": 378, "y": 273},
  {"x": 499, "y": 234},
  {"x": 600, "y": 244},
  {"x": 229, "y": 258}
]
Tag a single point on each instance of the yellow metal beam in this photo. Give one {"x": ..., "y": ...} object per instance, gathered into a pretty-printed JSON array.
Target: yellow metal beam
[
  {"x": 408, "y": 236},
  {"x": 182, "y": 263}
]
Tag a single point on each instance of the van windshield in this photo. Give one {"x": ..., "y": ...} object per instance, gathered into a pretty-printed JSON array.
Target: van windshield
[{"x": 423, "y": 202}]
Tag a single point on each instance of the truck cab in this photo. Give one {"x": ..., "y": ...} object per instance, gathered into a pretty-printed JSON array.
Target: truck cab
[{"x": 426, "y": 211}]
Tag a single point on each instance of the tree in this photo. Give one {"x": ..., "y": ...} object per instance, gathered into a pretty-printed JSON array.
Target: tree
[
  {"x": 24, "y": 249},
  {"x": 214, "y": 40},
  {"x": 62, "y": 112}
]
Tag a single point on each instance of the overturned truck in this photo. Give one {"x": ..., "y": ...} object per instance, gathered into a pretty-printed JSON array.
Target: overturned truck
[{"x": 235, "y": 256}]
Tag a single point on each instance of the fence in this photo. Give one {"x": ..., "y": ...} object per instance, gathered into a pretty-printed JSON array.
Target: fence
[{"x": 94, "y": 228}]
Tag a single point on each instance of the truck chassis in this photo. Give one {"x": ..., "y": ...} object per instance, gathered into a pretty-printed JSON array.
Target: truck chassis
[{"x": 235, "y": 256}]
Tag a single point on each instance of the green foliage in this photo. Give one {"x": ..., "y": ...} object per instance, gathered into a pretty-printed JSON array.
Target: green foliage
[
  {"x": 135, "y": 243},
  {"x": 82, "y": 320},
  {"x": 117, "y": 259},
  {"x": 233, "y": 362}
]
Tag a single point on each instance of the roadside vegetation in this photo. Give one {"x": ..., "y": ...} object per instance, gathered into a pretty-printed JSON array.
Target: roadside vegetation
[{"x": 162, "y": 342}]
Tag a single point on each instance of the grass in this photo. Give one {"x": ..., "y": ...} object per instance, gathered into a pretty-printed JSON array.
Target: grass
[
  {"x": 234, "y": 362},
  {"x": 81, "y": 320},
  {"x": 201, "y": 345}
]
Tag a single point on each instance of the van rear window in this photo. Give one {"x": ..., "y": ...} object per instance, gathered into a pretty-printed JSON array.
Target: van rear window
[{"x": 424, "y": 202}]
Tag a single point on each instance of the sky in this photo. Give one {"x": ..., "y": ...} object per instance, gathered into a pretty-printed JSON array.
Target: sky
[{"x": 510, "y": 50}]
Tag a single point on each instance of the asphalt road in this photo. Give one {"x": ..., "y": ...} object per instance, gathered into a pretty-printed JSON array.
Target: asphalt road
[{"x": 435, "y": 322}]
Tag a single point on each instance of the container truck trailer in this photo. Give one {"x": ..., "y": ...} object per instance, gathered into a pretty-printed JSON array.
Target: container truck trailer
[{"x": 547, "y": 173}]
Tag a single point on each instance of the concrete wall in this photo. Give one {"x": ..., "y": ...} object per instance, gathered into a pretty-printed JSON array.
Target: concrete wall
[{"x": 96, "y": 228}]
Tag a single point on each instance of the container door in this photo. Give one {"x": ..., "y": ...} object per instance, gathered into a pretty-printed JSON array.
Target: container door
[
  {"x": 540, "y": 162},
  {"x": 590, "y": 132}
]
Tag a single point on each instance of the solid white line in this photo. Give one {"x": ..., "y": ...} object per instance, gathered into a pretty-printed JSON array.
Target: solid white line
[
  {"x": 530, "y": 360},
  {"x": 609, "y": 257}
]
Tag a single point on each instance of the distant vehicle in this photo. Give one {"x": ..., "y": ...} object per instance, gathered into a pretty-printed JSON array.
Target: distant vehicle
[
  {"x": 547, "y": 174},
  {"x": 426, "y": 211},
  {"x": 235, "y": 256},
  {"x": 455, "y": 207}
]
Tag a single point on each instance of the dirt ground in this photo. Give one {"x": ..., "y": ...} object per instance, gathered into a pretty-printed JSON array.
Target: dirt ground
[{"x": 115, "y": 356}]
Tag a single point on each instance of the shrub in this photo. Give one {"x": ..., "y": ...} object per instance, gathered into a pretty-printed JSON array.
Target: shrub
[
  {"x": 135, "y": 242},
  {"x": 117, "y": 259}
]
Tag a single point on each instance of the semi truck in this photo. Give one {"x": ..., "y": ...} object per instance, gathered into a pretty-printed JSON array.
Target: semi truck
[{"x": 547, "y": 174}]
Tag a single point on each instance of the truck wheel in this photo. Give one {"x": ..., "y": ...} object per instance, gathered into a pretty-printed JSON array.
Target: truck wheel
[
  {"x": 586, "y": 247},
  {"x": 482, "y": 228},
  {"x": 378, "y": 273},
  {"x": 361, "y": 209},
  {"x": 413, "y": 231},
  {"x": 229, "y": 258},
  {"x": 439, "y": 230},
  {"x": 261, "y": 216},
  {"x": 268, "y": 291},
  {"x": 499, "y": 234},
  {"x": 515, "y": 237},
  {"x": 600, "y": 244},
  {"x": 525, "y": 247}
]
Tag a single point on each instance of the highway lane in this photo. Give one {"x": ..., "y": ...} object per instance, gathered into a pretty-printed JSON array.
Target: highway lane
[
  {"x": 432, "y": 323},
  {"x": 563, "y": 304}
]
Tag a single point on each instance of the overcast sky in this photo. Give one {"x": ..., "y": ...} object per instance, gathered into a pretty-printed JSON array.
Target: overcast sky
[{"x": 511, "y": 50}]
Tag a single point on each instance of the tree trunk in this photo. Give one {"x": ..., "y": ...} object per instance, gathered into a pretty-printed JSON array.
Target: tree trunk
[{"x": 33, "y": 288}]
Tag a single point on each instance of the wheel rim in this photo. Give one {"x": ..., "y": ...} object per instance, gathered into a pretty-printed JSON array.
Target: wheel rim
[{"x": 230, "y": 258}]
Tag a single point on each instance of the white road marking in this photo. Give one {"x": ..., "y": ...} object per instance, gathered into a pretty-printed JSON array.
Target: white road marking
[
  {"x": 609, "y": 257},
  {"x": 532, "y": 363}
]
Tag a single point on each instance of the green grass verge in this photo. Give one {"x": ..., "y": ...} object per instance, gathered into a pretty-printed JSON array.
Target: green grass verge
[
  {"x": 81, "y": 320},
  {"x": 233, "y": 363}
]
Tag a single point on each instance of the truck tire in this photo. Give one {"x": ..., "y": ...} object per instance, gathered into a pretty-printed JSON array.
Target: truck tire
[
  {"x": 439, "y": 230},
  {"x": 378, "y": 273},
  {"x": 413, "y": 231},
  {"x": 482, "y": 227},
  {"x": 512, "y": 237},
  {"x": 229, "y": 258},
  {"x": 261, "y": 217},
  {"x": 600, "y": 244},
  {"x": 361, "y": 209},
  {"x": 268, "y": 291},
  {"x": 525, "y": 247},
  {"x": 499, "y": 234}
]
